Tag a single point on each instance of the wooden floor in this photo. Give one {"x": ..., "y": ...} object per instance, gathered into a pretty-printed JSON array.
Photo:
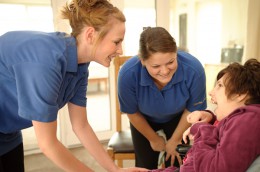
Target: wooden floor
[{"x": 40, "y": 163}]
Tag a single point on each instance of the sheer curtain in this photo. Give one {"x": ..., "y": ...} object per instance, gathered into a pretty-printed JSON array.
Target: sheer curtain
[
  {"x": 252, "y": 45},
  {"x": 59, "y": 24},
  {"x": 67, "y": 136}
]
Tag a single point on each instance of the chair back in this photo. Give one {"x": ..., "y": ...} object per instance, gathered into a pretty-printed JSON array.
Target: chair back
[
  {"x": 118, "y": 62},
  {"x": 120, "y": 146}
]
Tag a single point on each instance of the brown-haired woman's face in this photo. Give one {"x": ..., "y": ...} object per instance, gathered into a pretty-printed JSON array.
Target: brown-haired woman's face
[{"x": 161, "y": 67}]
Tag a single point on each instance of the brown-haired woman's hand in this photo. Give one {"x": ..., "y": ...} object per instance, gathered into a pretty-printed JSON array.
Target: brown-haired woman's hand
[
  {"x": 171, "y": 152},
  {"x": 158, "y": 144}
]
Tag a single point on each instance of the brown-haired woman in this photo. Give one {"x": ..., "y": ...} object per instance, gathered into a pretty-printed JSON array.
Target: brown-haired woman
[
  {"x": 41, "y": 72},
  {"x": 158, "y": 89}
]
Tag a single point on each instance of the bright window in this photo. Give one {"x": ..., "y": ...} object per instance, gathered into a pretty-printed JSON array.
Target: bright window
[
  {"x": 25, "y": 17},
  {"x": 139, "y": 14}
]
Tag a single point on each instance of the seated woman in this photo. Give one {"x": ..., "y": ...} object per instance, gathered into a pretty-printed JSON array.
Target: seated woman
[{"x": 232, "y": 143}]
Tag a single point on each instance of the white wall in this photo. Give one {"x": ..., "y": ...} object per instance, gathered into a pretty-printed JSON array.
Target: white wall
[{"x": 212, "y": 25}]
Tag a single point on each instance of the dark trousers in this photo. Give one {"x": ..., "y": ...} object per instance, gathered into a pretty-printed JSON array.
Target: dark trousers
[
  {"x": 13, "y": 161},
  {"x": 145, "y": 156}
]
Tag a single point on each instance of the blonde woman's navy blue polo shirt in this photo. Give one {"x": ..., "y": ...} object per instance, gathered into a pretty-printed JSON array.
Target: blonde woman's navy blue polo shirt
[
  {"x": 39, "y": 74},
  {"x": 138, "y": 93}
]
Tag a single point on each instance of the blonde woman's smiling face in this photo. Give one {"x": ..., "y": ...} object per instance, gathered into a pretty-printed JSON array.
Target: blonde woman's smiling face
[
  {"x": 161, "y": 67},
  {"x": 111, "y": 45}
]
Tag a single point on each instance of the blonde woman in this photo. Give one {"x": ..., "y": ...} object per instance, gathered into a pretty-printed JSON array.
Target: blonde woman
[{"x": 41, "y": 72}]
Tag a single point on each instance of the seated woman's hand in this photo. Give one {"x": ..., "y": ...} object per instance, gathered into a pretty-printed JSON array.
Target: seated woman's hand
[
  {"x": 199, "y": 116},
  {"x": 186, "y": 135}
]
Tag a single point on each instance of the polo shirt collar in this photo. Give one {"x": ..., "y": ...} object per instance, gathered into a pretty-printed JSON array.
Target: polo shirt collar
[
  {"x": 178, "y": 76},
  {"x": 71, "y": 56},
  {"x": 147, "y": 80}
]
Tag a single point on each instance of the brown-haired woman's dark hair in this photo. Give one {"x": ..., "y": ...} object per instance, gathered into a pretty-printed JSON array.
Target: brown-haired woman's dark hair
[
  {"x": 94, "y": 13},
  {"x": 156, "y": 39},
  {"x": 242, "y": 79}
]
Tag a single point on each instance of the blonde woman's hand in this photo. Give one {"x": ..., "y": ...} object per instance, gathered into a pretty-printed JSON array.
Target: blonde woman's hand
[{"x": 133, "y": 169}]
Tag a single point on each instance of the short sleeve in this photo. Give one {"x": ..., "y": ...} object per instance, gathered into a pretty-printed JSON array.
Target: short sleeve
[
  {"x": 197, "y": 100},
  {"x": 37, "y": 91},
  {"x": 80, "y": 96},
  {"x": 127, "y": 92}
]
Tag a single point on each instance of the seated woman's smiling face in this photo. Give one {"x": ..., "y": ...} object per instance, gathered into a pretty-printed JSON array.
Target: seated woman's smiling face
[{"x": 225, "y": 104}]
